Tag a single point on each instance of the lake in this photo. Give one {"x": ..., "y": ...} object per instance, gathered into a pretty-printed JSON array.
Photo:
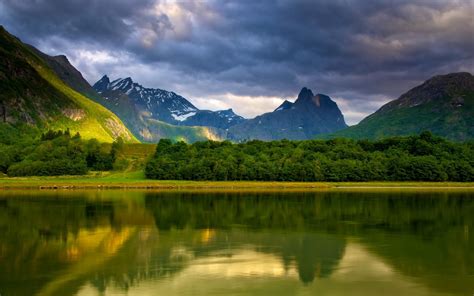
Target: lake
[{"x": 401, "y": 242}]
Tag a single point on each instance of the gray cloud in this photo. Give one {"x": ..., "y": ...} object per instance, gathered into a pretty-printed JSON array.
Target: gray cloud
[{"x": 362, "y": 53}]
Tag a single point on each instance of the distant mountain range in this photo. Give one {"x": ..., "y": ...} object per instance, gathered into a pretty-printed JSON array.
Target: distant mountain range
[
  {"x": 136, "y": 105},
  {"x": 46, "y": 92},
  {"x": 143, "y": 108}
]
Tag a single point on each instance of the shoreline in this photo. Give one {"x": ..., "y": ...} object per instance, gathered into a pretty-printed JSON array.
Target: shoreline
[{"x": 121, "y": 182}]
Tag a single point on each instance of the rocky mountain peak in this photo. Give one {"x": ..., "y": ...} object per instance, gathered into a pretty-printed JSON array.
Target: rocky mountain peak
[
  {"x": 305, "y": 94},
  {"x": 229, "y": 112},
  {"x": 307, "y": 117},
  {"x": 122, "y": 84},
  {"x": 284, "y": 106},
  {"x": 152, "y": 103},
  {"x": 128, "y": 80},
  {"x": 102, "y": 84},
  {"x": 307, "y": 98}
]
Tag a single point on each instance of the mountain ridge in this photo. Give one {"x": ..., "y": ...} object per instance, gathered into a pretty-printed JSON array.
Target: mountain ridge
[
  {"x": 443, "y": 104},
  {"x": 33, "y": 95},
  {"x": 143, "y": 109},
  {"x": 162, "y": 105},
  {"x": 48, "y": 92},
  {"x": 307, "y": 117}
]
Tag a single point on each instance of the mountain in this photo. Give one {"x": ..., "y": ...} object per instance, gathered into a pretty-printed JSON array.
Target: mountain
[
  {"x": 124, "y": 107},
  {"x": 33, "y": 97},
  {"x": 152, "y": 114},
  {"x": 68, "y": 73},
  {"x": 284, "y": 106},
  {"x": 307, "y": 117},
  {"x": 219, "y": 119},
  {"x": 161, "y": 105},
  {"x": 152, "y": 103},
  {"x": 144, "y": 109},
  {"x": 443, "y": 104}
]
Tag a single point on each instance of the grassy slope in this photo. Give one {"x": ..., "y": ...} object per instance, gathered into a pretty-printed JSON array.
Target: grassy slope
[
  {"x": 442, "y": 121},
  {"x": 187, "y": 134},
  {"x": 96, "y": 123},
  {"x": 133, "y": 156}
]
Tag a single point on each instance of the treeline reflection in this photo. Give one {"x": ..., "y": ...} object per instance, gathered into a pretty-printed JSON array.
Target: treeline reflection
[{"x": 120, "y": 239}]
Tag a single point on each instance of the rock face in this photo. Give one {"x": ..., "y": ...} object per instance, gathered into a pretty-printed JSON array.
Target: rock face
[
  {"x": 307, "y": 117},
  {"x": 151, "y": 103},
  {"x": 443, "y": 104},
  {"x": 74, "y": 114}
]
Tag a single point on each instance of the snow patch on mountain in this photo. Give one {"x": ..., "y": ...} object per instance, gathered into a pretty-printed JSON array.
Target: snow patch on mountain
[
  {"x": 162, "y": 105},
  {"x": 168, "y": 106},
  {"x": 183, "y": 117}
]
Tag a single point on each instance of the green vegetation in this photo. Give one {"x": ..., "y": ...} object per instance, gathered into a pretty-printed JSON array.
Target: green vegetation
[
  {"x": 137, "y": 180},
  {"x": 32, "y": 94},
  {"x": 443, "y": 120},
  {"x": 415, "y": 158},
  {"x": 255, "y": 164},
  {"x": 187, "y": 134},
  {"x": 57, "y": 153}
]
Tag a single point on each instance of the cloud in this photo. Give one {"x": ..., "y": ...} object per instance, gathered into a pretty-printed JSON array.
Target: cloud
[
  {"x": 245, "y": 54},
  {"x": 251, "y": 106},
  {"x": 356, "y": 108}
]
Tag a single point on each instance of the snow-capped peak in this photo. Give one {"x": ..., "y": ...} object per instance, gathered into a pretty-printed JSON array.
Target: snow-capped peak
[
  {"x": 160, "y": 104},
  {"x": 121, "y": 84}
]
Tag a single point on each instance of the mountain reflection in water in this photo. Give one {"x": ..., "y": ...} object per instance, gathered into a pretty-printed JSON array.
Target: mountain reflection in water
[{"x": 264, "y": 243}]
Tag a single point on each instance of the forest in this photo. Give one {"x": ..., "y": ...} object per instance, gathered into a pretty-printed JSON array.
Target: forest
[
  {"x": 422, "y": 157},
  {"x": 56, "y": 153}
]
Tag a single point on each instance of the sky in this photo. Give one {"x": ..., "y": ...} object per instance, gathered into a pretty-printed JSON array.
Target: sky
[{"x": 251, "y": 55}]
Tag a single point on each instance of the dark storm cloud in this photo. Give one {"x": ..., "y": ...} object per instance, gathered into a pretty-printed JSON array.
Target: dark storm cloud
[
  {"x": 363, "y": 52},
  {"x": 108, "y": 22}
]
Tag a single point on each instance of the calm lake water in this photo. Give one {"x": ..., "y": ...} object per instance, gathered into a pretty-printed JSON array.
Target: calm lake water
[{"x": 178, "y": 243}]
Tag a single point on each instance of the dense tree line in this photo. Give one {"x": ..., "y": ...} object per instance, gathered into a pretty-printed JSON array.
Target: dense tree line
[
  {"x": 56, "y": 153},
  {"x": 415, "y": 158}
]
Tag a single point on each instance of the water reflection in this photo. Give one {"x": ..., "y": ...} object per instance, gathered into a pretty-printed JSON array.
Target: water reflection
[{"x": 115, "y": 242}]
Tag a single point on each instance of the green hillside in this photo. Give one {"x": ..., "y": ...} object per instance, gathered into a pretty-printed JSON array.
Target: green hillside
[
  {"x": 188, "y": 134},
  {"x": 443, "y": 105},
  {"x": 142, "y": 127},
  {"x": 33, "y": 97},
  {"x": 452, "y": 125}
]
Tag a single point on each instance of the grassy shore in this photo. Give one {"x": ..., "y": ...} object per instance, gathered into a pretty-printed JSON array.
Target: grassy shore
[{"x": 136, "y": 180}]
